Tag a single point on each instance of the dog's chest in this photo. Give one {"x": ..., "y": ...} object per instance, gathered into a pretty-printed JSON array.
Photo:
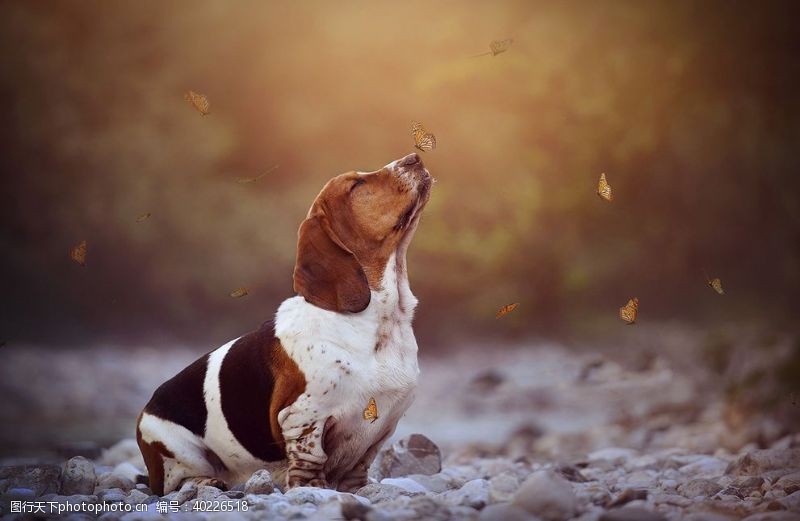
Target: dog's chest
[{"x": 348, "y": 360}]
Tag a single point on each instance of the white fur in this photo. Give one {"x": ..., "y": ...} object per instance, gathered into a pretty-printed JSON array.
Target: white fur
[{"x": 316, "y": 339}]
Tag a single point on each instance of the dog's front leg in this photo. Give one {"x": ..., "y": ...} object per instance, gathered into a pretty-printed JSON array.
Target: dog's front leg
[
  {"x": 304, "y": 435},
  {"x": 358, "y": 476}
]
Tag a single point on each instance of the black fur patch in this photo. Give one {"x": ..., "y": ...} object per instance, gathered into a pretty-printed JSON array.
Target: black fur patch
[
  {"x": 246, "y": 385},
  {"x": 180, "y": 399}
]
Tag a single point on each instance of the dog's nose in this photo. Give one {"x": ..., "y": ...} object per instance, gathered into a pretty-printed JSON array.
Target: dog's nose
[{"x": 409, "y": 160}]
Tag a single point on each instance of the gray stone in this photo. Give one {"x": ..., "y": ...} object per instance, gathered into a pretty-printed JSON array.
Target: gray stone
[
  {"x": 136, "y": 497},
  {"x": 20, "y": 493},
  {"x": 425, "y": 507},
  {"x": 761, "y": 461},
  {"x": 502, "y": 487},
  {"x": 317, "y": 496},
  {"x": 672, "y": 499},
  {"x": 791, "y": 502},
  {"x": 705, "y": 467},
  {"x": 699, "y": 488},
  {"x": 706, "y": 516},
  {"x": 547, "y": 495},
  {"x": 378, "y": 492},
  {"x": 207, "y": 492},
  {"x": 773, "y": 516},
  {"x": 111, "y": 480},
  {"x": 436, "y": 483},
  {"x": 186, "y": 492},
  {"x": 614, "y": 455},
  {"x": 406, "y": 484},
  {"x": 112, "y": 495},
  {"x": 259, "y": 483},
  {"x": 42, "y": 479},
  {"x": 78, "y": 477},
  {"x": 790, "y": 483},
  {"x": 474, "y": 494},
  {"x": 632, "y": 514},
  {"x": 415, "y": 454},
  {"x": 505, "y": 512},
  {"x": 463, "y": 513}
]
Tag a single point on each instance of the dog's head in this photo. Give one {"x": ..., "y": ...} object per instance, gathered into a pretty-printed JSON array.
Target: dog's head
[{"x": 357, "y": 222}]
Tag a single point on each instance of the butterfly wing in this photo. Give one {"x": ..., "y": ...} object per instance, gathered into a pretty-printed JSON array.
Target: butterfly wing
[
  {"x": 78, "y": 253},
  {"x": 604, "y": 189},
  {"x": 423, "y": 139},
  {"x": 629, "y": 311},
  {"x": 716, "y": 285},
  {"x": 198, "y": 101},
  {"x": 498, "y": 46},
  {"x": 239, "y": 292},
  {"x": 371, "y": 412},
  {"x": 426, "y": 143},
  {"x": 505, "y": 310}
]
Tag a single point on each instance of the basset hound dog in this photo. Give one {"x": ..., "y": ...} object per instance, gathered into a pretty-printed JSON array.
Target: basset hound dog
[{"x": 290, "y": 397}]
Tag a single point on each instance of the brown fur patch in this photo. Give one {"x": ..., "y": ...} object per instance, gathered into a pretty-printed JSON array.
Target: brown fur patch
[{"x": 153, "y": 454}]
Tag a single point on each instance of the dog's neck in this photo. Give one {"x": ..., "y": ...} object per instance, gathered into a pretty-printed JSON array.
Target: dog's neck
[{"x": 385, "y": 320}]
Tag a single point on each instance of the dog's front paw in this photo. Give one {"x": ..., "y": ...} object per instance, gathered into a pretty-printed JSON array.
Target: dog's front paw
[
  {"x": 213, "y": 482},
  {"x": 352, "y": 483}
]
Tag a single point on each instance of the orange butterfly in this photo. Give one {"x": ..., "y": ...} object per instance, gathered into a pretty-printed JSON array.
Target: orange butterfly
[
  {"x": 198, "y": 101},
  {"x": 143, "y": 217},
  {"x": 505, "y": 310},
  {"x": 371, "y": 412},
  {"x": 78, "y": 253},
  {"x": 423, "y": 139},
  {"x": 714, "y": 284},
  {"x": 240, "y": 292},
  {"x": 498, "y": 46},
  {"x": 604, "y": 189},
  {"x": 629, "y": 311}
]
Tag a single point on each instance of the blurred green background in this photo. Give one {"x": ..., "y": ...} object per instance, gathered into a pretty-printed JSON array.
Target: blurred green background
[{"x": 690, "y": 108}]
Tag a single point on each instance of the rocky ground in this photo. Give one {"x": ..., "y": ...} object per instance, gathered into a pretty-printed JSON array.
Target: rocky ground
[{"x": 537, "y": 432}]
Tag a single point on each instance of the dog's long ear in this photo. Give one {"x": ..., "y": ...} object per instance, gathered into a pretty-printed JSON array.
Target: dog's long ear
[{"x": 326, "y": 274}]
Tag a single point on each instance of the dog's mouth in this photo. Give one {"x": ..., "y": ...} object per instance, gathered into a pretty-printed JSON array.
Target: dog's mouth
[{"x": 423, "y": 190}]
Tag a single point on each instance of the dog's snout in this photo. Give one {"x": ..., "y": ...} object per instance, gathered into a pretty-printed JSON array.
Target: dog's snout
[{"x": 410, "y": 160}]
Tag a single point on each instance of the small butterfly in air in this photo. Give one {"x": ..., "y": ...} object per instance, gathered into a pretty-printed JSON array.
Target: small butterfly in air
[
  {"x": 78, "y": 253},
  {"x": 423, "y": 139},
  {"x": 198, "y": 101},
  {"x": 604, "y": 189},
  {"x": 496, "y": 47},
  {"x": 239, "y": 292},
  {"x": 143, "y": 217},
  {"x": 505, "y": 310},
  {"x": 715, "y": 284},
  {"x": 246, "y": 180},
  {"x": 629, "y": 311},
  {"x": 371, "y": 412}
]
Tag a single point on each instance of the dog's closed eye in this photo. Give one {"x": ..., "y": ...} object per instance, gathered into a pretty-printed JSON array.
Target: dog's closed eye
[{"x": 357, "y": 182}]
